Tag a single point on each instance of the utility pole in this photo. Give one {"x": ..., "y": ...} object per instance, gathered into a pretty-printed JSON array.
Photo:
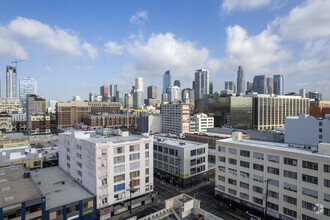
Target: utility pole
[
  {"x": 179, "y": 163},
  {"x": 266, "y": 199}
]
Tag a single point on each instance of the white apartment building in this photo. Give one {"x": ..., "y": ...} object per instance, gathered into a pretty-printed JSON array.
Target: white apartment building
[
  {"x": 18, "y": 116},
  {"x": 182, "y": 161},
  {"x": 203, "y": 122},
  {"x": 295, "y": 182},
  {"x": 306, "y": 130},
  {"x": 111, "y": 164},
  {"x": 175, "y": 118}
]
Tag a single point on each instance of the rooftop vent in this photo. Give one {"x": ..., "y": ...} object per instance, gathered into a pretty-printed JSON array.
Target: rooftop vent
[{"x": 181, "y": 143}]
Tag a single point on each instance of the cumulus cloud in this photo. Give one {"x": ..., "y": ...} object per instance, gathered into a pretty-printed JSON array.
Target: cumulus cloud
[
  {"x": 245, "y": 5},
  {"x": 307, "y": 21},
  {"x": 257, "y": 53},
  {"x": 163, "y": 51},
  {"x": 55, "y": 41},
  {"x": 139, "y": 18},
  {"x": 113, "y": 48}
]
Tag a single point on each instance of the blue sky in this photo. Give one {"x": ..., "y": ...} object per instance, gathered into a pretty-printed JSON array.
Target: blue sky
[{"x": 74, "y": 47}]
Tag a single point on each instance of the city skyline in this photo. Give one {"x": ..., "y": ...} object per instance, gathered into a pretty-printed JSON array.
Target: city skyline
[{"x": 127, "y": 42}]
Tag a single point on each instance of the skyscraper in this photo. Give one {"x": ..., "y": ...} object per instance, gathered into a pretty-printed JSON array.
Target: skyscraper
[
  {"x": 27, "y": 85},
  {"x": 104, "y": 90},
  {"x": 230, "y": 85},
  {"x": 302, "y": 93},
  {"x": 202, "y": 83},
  {"x": 139, "y": 83},
  {"x": 278, "y": 84},
  {"x": 174, "y": 94},
  {"x": 249, "y": 87},
  {"x": 152, "y": 92},
  {"x": 270, "y": 85},
  {"x": 260, "y": 84},
  {"x": 166, "y": 80},
  {"x": 177, "y": 83},
  {"x": 11, "y": 82},
  {"x": 190, "y": 92},
  {"x": 240, "y": 81},
  {"x": 113, "y": 90},
  {"x": 211, "y": 88},
  {"x": 138, "y": 95},
  {"x": 120, "y": 97}
]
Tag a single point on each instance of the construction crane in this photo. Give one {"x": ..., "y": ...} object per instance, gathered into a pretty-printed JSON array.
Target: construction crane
[{"x": 17, "y": 61}]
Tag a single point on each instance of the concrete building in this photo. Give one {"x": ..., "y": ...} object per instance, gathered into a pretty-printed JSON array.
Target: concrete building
[
  {"x": 5, "y": 123},
  {"x": 202, "y": 83},
  {"x": 278, "y": 84},
  {"x": 152, "y": 92},
  {"x": 27, "y": 85},
  {"x": 128, "y": 100},
  {"x": 35, "y": 105},
  {"x": 114, "y": 166},
  {"x": 211, "y": 87},
  {"x": 113, "y": 90},
  {"x": 105, "y": 120},
  {"x": 184, "y": 162},
  {"x": 175, "y": 118},
  {"x": 166, "y": 80},
  {"x": 8, "y": 105},
  {"x": 14, "y": 140},
  {"x": 240, "y": 81},
  {"x": 177, "y": 83},
  {"x": 120, "y": 97},
  {"x": 302, "y": 93},
  {"x": 230, "y": 85},
  {"x": 205, "y": 137},
  {"x": 38, "y": 124},
  {"x": 139, "y": 83},
  {"x": 315, "y": 96},
  {"x": 270, "y": 111},
  {"x": 11, "y": 82},
  {"x": 307, "y": 131},
  {"x": 149, "y": 123},
  {"x": 29, "y": 157},
  {"x": 270, "y": 85},
  {"x": 104, "y": 91},
  {"x": 138, "y": 99},
  {"x": 249, "y": 87},
  {"x": 190, "y": 92},
  {"x": 203, "y": 122},
  {"x": 70, "y": 113},
  {"x": 174, "y": 94},
  {"x": 164, "y": 98},
  {"x": 264, "y": 177},
  {"x": 151, "y": 102},
  {"x": 260, "y": 84},
  {"x": 319, "y": 109}
]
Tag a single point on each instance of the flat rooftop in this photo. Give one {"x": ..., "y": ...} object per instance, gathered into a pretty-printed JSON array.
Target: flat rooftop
[
  {"x": 15, "y": 135},
  {"x": 275, "y": 146},
  {"x": 58, "y": 188},
  {"x": 14, "y": 188},
  {"x": 18, "y": 153},
  {"x": 176, "y": 142},
  {"x": 210, "y": 134}
]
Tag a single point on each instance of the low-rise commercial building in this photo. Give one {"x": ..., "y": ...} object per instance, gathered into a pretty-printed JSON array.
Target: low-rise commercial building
[
  {"x": 5, "y": 123},
  {"x": 38, "y": 124},
  {"x": 29, "y": 157},
  {"x": 14, "y": 140},
  {"x": 285, "y": 182},
  {"x": 149, "y": 123},
  {"x": 105, "y": 120},
  {"x": 319, "y": 109},
  {"x": 8, "y": 105},
  {"x": 181, "y": 161},
  {"x": 202, "y": 122},
  {"x": 206, "y": 137}
]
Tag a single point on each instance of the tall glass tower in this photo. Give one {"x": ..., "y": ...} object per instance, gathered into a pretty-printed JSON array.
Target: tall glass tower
[
  {"x": 166, "y": 81},
  {"x": 11, "y": 82},
  {"x": 202, "y": 83},
  {"x": 27, "y": 85},
  {"x": 260, "y": 84},
  {"x": 240, "y": 81},
  {"x": 278, "y": 84}
]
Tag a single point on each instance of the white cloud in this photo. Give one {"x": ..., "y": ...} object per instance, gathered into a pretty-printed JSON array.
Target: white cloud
[
  {"x": 302, "y": 84},
  {"x": 245, "y": 5},
  {"x": 54, "y": 41},
  {"x": 139, "y": 18},
  {"x": 48, "y": 69},
  {"x": 307, "y": 21},
  {"x": 163, "y": 51},
  {"x": 256, "y": 53},
  {"x": 113, "y": 48}
]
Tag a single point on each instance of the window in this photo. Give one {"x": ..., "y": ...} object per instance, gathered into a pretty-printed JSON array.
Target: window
[
  {"x": 232, "y": 181},
  {"x": 79, "y": 164},
  {"x": 307, "y": 205},
  {"x": 326, "y": 183},
  {"x": 67, "y": 149},
  {"x": 327, "y": 197},
  {"x": 258, "y": 167},
  {"x": 79, "y": 173},
  {"x": 222, "y": 169},
  {"x": 193, "y": 171},
  {"x": 36, "y": 163},
  {"x": 134, "y": 174},
  {"x": 273, "y": 170},
  {"x": 290, "y": 187},
  {"x": 326, "y": 168},
  {"x": 258, "y": 156},
  {"x": 147, "y": 179},
  {"x": 290, "y": 212},
  {"x": 232, "y": 172},
  {"x": 273, "y": 158},
  {"x": 310, "y": 165},
  {"x": 222, "y": 188},
  {"x": 244, "y": 196},
  {"x": 104, "y": 200},
  {"x": 134, "y": 156},
  {"x": 309, "y": 179},
  {"x": 146, "y": 163},
  {"x": 135, "y": 165},
  {"x": 290, "y": 174},
  {"x": 118, "y": 150},
  {"x": 244, "y": 185},
  {"x": 258, "y": 178},
  {"x": 245, "y": 164},
  {"x": 147, "y": 154},
  {"x": 119, "y": 178},
  {"x": 119, "y": 159},
  {"x": 272, "y": 206},
  {"x": 104, "y": 152},
  {"x": 290, "y": 200},
  {"x": 222, "y": 159},
  {"x": 245, "y": 153},
  {"x": 221, "y": 149},
  {"x": 309, "y": 192},
  {"x": 119, "y": 196},
  {"x": 222, "y": 178},
  {"x": 104, "y": 181},
  {"x": 146, "y": 146},
  {"x": 232, "y": 151},
  {"x": 257, "y": 200},
  {"x": 172, "y": 152},
  {"x": 119, "y": 187},
  {"x": 326, "y": 212},
  {"x": 68, "y": 157},
  {"x": 68, "y": 165},
  {"x": 135, "y": 147},
  {"x": 165, "y": 150},
  {"x": 273, "y": 182},
  {"x": 232, "y": 161},
  {"x": 79, "y": 155},
  {"x": 306, "y": 217},
  {"x": 290, "y": 161},
  {"x": 147, "y": 171},
  {"x": 118, "y": 169},
  {"x": 244, "y": 174},
  {"x": 231, "y": 191},
  {"x": 258, "y": 189},
  {"x": 273, "y": 194}
]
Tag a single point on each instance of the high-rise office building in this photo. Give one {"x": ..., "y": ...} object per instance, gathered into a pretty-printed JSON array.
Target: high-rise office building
[
  {"x": 128, "y": 100},
  {"x": 230, "y": 85},
  {"x": 249, "y": 87},
  {"x": 278, "y": 84},
  {"x": 270, "y": 85},
  {"x": 315, "y": 95},
  {"x": 166, "y": 80},
  {"x": 175, "y": 118},
  {"x": 260, "y": 84},
  {"x": 139, "y": 84},
  {"x": 120, "y": 97},
  {"x": 240, "y": 81},
  {"x": 211, "y": 88},
  {"x": 302, "y": 93},
  {"x": 152, "y": 92},
  {"x": 190, "y": 92},
  {"x": 104, "y": 91},
  {"x": 202, "y": 83},
  {"x": 113, "y": 90},
  {"x": 174, "y": 94},
  {"x": 27, "y": 85},
  {"x": 177, "y": 83},
  {"x": 138, "y": 95},
  {"x": 11, "y": 82},
  {"x": 36, "y": 114}
]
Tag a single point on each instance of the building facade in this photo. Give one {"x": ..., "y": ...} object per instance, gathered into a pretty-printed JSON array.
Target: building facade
[
  {"x": 174, "y": 94},
  {"x": 240, "y": 81},
  {"x": 5, "y": 123},
  {"x": 230, "y": 85},
  {"x": 202, "y": 83},
  {"x": 8, "y": 105},
  {"x": 270, "y": 111},
  {"x": 270, "y": 85},
  {"x": 319, "y": 109},
  {"x": 190, "y": 92},
  {"x": 175, "y": 118},
  {"x": 27, "y": 85},
  {"x": 113, "y": 90},
  {"x": 105, "y": 120},
  {"x": 260, "y": 84},
  {"x": 149, "y": 123},
  {"x": 315, "y": 96},
  {"x": 104, "y": 91},
  {"x": 11, "y": 82},
  {"x": 38, "y": 124},
  {"x": 278, "y": 84},
  {"x": 264, "y": 177},
  {"x": 166, "y": 80},
  {"x": 152, "y": 92},
  {"x": 202, "y": 122}
]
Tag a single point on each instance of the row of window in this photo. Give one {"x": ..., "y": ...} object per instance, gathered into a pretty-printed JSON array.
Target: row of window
[{"x": 166, "y": 150}]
